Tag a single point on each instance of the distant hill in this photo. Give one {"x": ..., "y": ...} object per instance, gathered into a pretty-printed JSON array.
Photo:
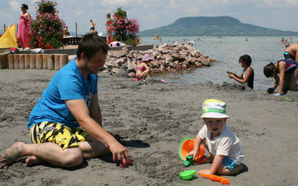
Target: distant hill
[{"x": 213, "y": 26}]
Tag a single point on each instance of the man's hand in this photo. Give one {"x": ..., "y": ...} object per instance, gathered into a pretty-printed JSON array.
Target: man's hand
[{"x": 120, "y": 153}]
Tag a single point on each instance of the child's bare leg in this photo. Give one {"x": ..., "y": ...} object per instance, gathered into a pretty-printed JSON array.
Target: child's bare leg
[{"x": 225, "y": 171}]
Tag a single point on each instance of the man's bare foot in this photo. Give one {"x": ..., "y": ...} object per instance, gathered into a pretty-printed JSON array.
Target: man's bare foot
[
  {"x": 11, "y": 154},
  {"x": 32, "y": 160}
]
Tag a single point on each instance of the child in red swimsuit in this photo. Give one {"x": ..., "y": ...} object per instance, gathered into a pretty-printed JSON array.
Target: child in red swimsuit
[{"x": 142, "y": 69}]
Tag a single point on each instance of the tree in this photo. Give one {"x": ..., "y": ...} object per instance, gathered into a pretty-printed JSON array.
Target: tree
[
  {"x": 123, "y": 28},
  {"x": 47, "y": 29}
]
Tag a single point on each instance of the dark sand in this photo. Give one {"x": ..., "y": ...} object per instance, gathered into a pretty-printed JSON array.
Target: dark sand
[{"x": 151, "y": 120}]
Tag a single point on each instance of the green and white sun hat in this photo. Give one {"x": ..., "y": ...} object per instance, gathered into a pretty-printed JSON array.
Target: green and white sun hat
[{"x": 213, "y": 108}]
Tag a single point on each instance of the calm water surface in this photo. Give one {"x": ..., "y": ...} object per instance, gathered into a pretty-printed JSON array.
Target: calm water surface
[{"x": 227, "y": 51}]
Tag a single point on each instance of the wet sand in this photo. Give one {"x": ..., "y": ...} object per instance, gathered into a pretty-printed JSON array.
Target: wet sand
[{"x": 151, "y": 120}]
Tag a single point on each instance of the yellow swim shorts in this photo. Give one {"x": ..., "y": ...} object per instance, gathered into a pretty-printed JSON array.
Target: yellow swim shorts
[{"x": 64, "y": 136}]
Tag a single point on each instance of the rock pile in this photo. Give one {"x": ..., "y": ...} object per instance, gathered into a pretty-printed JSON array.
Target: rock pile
[{"x": 167, "y": 58}]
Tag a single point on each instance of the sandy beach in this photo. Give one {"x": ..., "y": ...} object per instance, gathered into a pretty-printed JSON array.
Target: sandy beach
[{"x": 151, "y": 120}]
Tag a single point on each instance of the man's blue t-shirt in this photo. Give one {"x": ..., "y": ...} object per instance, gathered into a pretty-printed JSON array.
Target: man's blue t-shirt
[{"x": 67, "y": 84}]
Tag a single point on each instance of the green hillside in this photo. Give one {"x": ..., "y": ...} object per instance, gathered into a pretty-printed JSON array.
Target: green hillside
[{"x": 213, "y": 26}]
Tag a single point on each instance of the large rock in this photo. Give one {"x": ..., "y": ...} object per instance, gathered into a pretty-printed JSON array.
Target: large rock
[{"x": 166, "y": 58}]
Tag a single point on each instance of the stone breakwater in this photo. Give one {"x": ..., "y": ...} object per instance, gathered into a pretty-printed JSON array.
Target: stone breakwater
[{"x": 167, "y": 58}]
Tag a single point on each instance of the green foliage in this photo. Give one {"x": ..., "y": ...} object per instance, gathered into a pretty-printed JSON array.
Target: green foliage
[
  {"x": 120, "y": 13},
  {"x": 123, "y": 28},
  {"x": 47, "y": 29}
]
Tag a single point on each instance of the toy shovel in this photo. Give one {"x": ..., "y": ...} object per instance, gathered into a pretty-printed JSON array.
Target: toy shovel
[{"x": 187, "y": 175}]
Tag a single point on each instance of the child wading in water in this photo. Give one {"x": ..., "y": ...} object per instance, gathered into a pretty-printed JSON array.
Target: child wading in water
[
  {"x": 142, "y": 69},
  {"x": 247, "y": 76},
  {"x": 222, "y": 144}
]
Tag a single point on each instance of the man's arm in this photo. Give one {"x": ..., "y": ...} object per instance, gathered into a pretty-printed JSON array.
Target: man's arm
[
  {"x": 80, "y": 111},
  {"x": 95, "y": 111}
]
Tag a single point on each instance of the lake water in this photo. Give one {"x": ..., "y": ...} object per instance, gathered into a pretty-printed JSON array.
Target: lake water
[{"x": 227, "y": 51}]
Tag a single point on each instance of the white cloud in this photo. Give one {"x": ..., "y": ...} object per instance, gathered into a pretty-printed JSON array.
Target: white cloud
[
  {"x": 116, "y": 2},
  {"x": 14, "y": 5},
  {"x": 79, "y": 12}
]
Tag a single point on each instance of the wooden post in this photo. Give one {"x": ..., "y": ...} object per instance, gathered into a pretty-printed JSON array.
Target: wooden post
[
  {"x": 16, "y": 61},
  {"x": 38, "y": 60},
  {"x": 3, "y": 61},
  {"x": 45, "y": 61},
  {"x": 10, "y": 61},
  {"x": 51, "y": 62},
  {"x": 27, "y": 61},
  {"x": 57, "y": 61},
  {"x": 76, "y": 29},
  {"x": 32, "y": 61},
  {"x": 21, "y": 61},
  {"x": 63, "y": 60}
]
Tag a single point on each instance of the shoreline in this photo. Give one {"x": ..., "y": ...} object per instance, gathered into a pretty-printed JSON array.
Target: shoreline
[{"x": 151, "y": 120}]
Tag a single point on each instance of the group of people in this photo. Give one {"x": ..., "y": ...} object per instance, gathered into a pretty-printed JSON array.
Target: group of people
[
  {"x": 65, "y": 126},
  {"x": 109, "y": 21},
  {"x": 284, "y": 71}
]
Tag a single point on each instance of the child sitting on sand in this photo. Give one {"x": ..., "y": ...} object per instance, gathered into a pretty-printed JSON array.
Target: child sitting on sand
[
  {"x": 247, "y": 76},
  {"x": 287, "y": 68},
  {"x": 142, "y": 69},
  {"x": 222, "y": 144}
]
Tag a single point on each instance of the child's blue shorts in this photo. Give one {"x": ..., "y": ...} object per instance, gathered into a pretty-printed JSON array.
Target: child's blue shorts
[{"x": 229, "y": 163}]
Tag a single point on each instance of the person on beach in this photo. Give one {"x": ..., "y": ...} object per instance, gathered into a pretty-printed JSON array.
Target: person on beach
[
  {"x": 142, "y": 69},
  {"x": 292, "y": 52},
  {"x": 222, "y": 144},
  {"x": 247, "y": 75},
  {"x": 288, "y": 73},
  {"x": 24, "y": 29},
  {"x": 92, "y": 26},
  {"x": 109, "y": 21},
  {"x": 65, "y": 125}
]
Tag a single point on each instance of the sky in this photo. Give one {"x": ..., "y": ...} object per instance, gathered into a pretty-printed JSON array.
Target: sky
[{"x": 277, "y": 14}]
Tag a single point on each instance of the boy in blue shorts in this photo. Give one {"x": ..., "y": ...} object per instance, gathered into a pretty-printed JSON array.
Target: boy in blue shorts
[{"x": 222, "y": 144}]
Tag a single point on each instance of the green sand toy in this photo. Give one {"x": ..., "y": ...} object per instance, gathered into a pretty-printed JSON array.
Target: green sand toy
[
  {"x": 187, "y": 175},
  {"x": 288, "y": 99}
]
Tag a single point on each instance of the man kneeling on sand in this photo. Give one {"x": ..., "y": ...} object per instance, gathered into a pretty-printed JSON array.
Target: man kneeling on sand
[{"x": 66, "y": 124}]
